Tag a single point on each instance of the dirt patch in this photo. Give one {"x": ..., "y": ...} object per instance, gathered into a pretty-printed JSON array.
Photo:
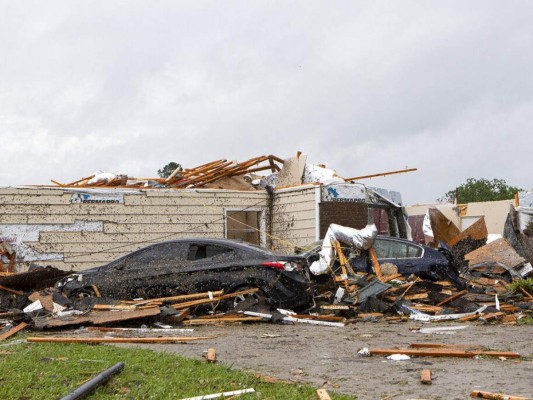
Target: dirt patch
[{"x": 328, "y": 356}]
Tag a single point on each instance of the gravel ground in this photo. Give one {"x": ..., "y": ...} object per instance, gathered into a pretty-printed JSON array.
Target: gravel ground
[{"x": 325, "y": 356}]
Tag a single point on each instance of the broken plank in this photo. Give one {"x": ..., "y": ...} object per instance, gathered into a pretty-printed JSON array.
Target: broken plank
[
  {"x": 335, "y": 307},
  {"x": 184, "y": 339},
  {"x": 451, "y": 298},
  {"x": 106, "y": 307},
  {"x": 447, "y": 352},
  {"x": 322, "y": 394},
  {"x": 496, "y": 396},
  {"x": 96, "y": 318},
  {"x": 375, "y": 263},
  {"x": 391, "y": 277},
  {"x": 210, "y": 321},
  {"x": 230, "y": 395},
  {"x": 17, "y": 292},
  {"x": 418, "y": 296},
  {"x": 426, "y": 308},
  {"x": 211, "y": 355},
  {"x": 179, "y": 306},
  {"x": 96, "y": 291},
  {"x": 425, "y": 376},
  {"x": 182, "y": 297},
  {"x": 445, "y": 346},
  {"x": 13, "y": 330}
]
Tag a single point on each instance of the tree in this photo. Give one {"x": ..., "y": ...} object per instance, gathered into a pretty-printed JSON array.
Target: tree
[
  {"x": 168, "y": 169},
  {"x": 475, "y": 190}
]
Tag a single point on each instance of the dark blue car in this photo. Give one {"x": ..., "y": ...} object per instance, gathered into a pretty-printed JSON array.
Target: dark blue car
[{"x": 410, "y": 257}]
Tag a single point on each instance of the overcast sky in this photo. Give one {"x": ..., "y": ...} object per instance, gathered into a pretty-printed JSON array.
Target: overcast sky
[{"x": 361, "y": 86}]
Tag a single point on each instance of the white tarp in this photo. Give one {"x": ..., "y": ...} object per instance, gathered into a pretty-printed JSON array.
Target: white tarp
[{"x": 359, "y": 239}]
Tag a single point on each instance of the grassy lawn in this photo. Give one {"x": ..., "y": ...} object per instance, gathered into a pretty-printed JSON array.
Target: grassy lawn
[{"x": 52, "y": 370}]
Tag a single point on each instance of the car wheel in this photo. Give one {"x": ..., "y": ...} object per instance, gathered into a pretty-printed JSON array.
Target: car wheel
[
  {"x": 82, "y": 293},
  {"x": 257, "y": 301}
]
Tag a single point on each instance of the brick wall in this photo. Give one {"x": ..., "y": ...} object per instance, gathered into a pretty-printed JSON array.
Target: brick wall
[{"x": 351, "y": 214}]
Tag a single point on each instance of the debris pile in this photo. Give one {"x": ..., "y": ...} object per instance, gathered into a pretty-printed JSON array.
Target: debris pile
[{"x": 220, "y": 174}]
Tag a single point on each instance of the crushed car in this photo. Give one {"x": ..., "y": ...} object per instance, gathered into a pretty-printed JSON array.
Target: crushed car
[{"x": 198, "y": 265}]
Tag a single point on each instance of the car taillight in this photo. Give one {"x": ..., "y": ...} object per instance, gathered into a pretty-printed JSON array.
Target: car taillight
[{"x": 283, "y": 265}]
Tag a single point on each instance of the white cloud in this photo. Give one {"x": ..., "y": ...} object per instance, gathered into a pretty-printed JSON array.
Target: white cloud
[{"x": 364, "y": 87}]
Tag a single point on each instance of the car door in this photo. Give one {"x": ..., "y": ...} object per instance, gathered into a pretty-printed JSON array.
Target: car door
[
  {"x": 152, "y": 271},
  {"x": 212, "y": 265}
]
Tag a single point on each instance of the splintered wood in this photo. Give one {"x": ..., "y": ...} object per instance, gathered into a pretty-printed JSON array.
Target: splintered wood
[
  {"x": 13, "y": 331},
  {"x": 189, "y": 177}
]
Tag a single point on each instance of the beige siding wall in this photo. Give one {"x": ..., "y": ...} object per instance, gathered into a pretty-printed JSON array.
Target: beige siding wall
[
  {"x": 294, "y": 218},
  {"x": 47, "y": 229}
]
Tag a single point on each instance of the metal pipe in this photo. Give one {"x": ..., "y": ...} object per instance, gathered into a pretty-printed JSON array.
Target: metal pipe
[{"x": 92, "y": 384}]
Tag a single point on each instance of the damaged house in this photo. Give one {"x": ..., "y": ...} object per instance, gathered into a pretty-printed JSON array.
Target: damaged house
[{"x": 97, "y": 219}]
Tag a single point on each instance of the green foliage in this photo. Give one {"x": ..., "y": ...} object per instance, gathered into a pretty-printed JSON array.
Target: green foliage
[
  {"x": 168, "y": 169},
  {"x": 526, "y": 284},
  {"x": 475, "y": 190},
  {"x": 53, "y": 370}
]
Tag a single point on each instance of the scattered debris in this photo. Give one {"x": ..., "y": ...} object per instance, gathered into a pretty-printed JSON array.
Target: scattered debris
[{"x": 221, "y": 395}]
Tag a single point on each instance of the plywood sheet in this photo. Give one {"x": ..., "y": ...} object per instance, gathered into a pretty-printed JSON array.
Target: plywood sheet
[
  {"x": 97, "y": 318},
  {"x": 500, "y": 251}
]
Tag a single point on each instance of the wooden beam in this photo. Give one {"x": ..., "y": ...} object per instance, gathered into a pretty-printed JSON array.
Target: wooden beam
[
  {"x": 13, "y": 330},
  {"x": 401, "y": 171},
  {"x": 451, "y": 298},
  {"x": 185, "y": 339},
  {"x": 211, "y": 321},
  {"x": 12, "y": 259},
  {"x": 375, "y": 263},
  {"x": 179, "y": 306},
  {"x": 17, "y": 292},
  {"x": 446, "y": 352},
  {"x": 496, "y": 396}
]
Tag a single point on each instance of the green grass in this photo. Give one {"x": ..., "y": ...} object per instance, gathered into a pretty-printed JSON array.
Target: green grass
[{"x": 52, "y": 370}]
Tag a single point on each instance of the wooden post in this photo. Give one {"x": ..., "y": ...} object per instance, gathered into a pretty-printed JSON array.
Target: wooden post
[{"x": 375, "y": 263}]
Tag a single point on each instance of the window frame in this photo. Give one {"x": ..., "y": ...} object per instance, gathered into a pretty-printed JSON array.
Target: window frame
[
  {"x": 262, "y": 221},
  {"x": 413, "y": 244}
]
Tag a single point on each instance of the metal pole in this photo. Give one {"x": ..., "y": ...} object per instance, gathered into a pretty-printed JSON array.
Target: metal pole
[{"x": 92, "y": 384}]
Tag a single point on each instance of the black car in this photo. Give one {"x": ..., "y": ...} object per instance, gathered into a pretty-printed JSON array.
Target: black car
[
  {"x": 410, "y": 258},
  {"x": 197, "y": 265}
]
